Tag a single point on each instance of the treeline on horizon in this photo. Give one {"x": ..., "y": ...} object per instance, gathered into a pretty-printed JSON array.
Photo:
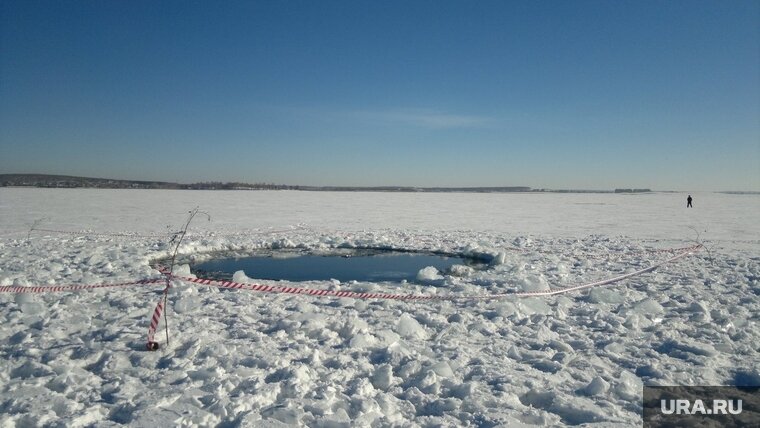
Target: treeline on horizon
[{"x": 65, "y": 181}]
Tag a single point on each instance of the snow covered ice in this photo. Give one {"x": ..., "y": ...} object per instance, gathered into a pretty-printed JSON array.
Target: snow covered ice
[{"x": 239, "y": 358}]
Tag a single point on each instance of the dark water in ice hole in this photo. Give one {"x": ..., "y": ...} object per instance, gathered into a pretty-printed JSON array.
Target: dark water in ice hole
[{"x": 358, "y": 266}]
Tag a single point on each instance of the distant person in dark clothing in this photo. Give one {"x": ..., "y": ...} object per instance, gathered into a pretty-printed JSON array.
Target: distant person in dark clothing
[{"x": 688, "y": 202}]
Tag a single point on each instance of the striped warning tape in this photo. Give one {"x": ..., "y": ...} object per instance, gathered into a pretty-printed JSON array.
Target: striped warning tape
[
  {"x": 611, "y": 280},
  {"x": 610, "y": 254},
  {"x": 253, "y": 232},
  {"x": 390, "y": 296},
  {"x": 63, "y": 288},
  {"x": 154, "y": 321},
  {"x": 672, "y": 250},
  {"x": 152, "y": 345},
  {"x": 685, "y": 251},
  {"x": 158, "y": 311}
]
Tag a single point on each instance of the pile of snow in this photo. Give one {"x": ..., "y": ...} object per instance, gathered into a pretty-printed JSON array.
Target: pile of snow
[
  {"x": 429, "y": 274},
  {"x": 409, "y": 328},
  {"x": 461, "y": 271}
]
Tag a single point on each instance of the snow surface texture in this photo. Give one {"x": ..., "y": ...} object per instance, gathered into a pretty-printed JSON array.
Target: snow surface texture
[{"x": 239, "y": 358}]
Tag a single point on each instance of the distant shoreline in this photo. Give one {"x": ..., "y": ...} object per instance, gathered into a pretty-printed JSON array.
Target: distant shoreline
[{"x": 75, "y": 182}]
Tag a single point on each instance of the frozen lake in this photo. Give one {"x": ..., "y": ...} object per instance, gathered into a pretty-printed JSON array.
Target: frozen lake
[
  {"x": 650, "y": 215},
  {"x": 247, "y": 358}
]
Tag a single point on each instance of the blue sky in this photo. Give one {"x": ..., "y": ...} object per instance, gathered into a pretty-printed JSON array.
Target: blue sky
[{"x": 550, "y": 94}]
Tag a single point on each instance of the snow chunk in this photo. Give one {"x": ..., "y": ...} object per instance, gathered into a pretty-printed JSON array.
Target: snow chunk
[
  {"x": 605, "y": 295},
  {"x": 648, "y": 307},
  {"x": 597, "y": 386},
  {"x": 286, "y": 414},
  {"x": 395, "y": 353},
  {"x": 35, "y": 308},
  {"x": 700, "y": 312},
  {"x": 505, "y": 309},
  {"x": 636, "y": 321},
  {"x": 461, "y": 270},
  {"x": 283, "y": 244},
  {"x": 187, "y": 304},
  {"x": 464, "y": 391},
  {"x": 534, "y": 283},
  {"x": 442, "y": 369},
  {"x": 182, "y": 270},
  {"x": 429, "y": 383},
  {"x": 23, "y": 298},
  {"x": 441, "y": 406},
  {"x": 681, "y": 345},
  {"x": 698, "y": 307},
  {"x": 409, "y": 327},
  {"x": 429, "y": 273},
  {"x": 352, "y": 327},
  {"x": 31, "y": 369},
  {"x": 362, "y": 340},
  {"x": 498, "y": 259},
  {"x": 629, "y": 386},
  {"x": 239, "y": 276},
  {"x": 363, "y": 388},
  {"x": 383, "y": 377},
  {"x": 560, "y": 346},
  {"x": 522, "y": 242},
  {"x": 514, "y": 353},
  {"x": 533, "y": 305},
  {"x": 339, "y": 419}
]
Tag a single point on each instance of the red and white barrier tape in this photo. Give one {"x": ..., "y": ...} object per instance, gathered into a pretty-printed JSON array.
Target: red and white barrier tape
[
  {"x": 673, "y": 250},
  {"x": 62, "y": 288},
  {"x": 252, "y": 233},
  {"x": 154, "y": 321},
  {"x": 610, "y": 280},
  {"x": 359, "y": 295},
  {"x": 158, "y": 311}
]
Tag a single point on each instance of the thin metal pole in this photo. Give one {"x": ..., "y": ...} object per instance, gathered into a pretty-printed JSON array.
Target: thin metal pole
[{"x": 181, "y": 236}]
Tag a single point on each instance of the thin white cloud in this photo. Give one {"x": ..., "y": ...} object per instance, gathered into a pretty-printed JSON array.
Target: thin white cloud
[
  {"x": 419, "y": 117},
  {"x": 426, "y": 118}
]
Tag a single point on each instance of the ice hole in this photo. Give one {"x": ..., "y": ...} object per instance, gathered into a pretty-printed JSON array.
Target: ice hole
[{"x": 342, "y": 265}]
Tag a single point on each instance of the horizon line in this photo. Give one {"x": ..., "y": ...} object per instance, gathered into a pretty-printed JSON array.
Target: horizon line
[{"x": 303, "y": 187}]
